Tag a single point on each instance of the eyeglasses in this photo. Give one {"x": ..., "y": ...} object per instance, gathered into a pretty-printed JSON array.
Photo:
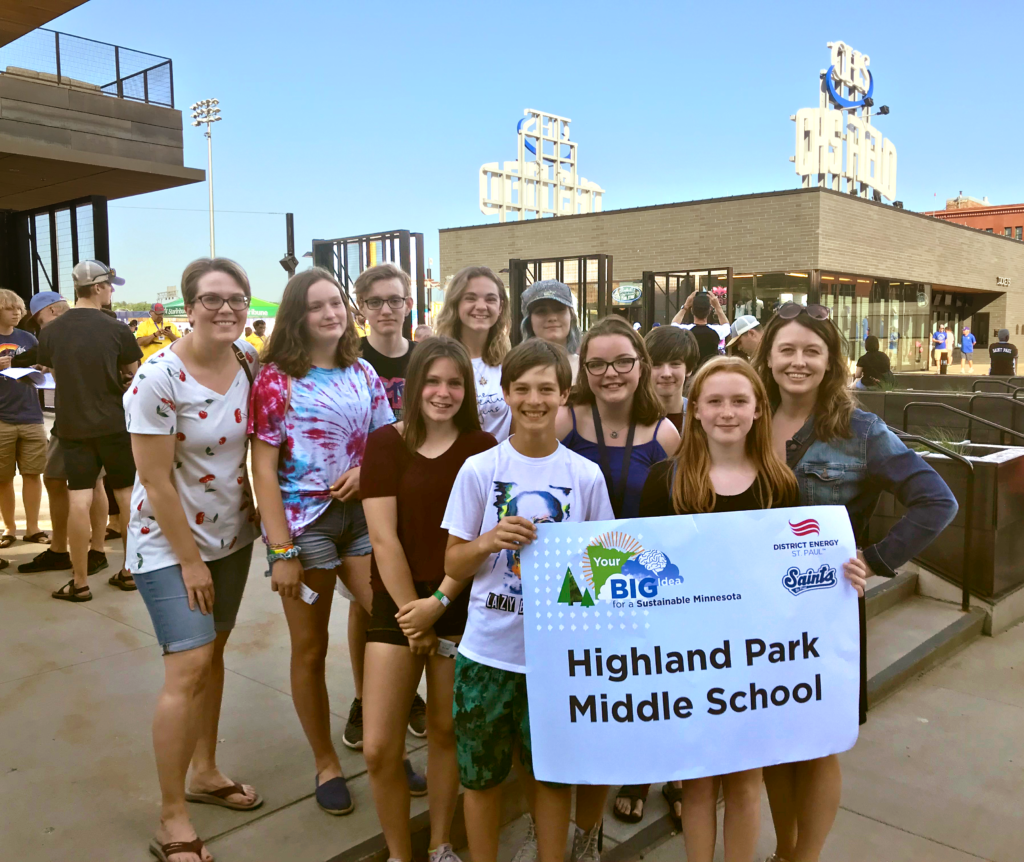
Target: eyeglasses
[
  {"x": 791, "y": 310},
  {"x": 622, "y": 365},
  {"x": 213, "y": 302},
  {"x": 375, "y": 303}
]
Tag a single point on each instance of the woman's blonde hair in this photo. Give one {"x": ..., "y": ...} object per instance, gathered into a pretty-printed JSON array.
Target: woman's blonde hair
[
  {"x": 834, "y": 405},
  {"x": 449, "y": 323},
  {"x": 646, "y": 406},
  {"x": 692, "y": 490}
]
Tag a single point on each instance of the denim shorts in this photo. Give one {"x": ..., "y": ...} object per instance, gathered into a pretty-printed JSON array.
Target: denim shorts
[
  {"x": 177, "y": 627},
  {"x": 340, "y": 531}
]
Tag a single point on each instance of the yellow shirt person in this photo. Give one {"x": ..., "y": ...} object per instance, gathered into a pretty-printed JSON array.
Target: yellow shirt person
[
  {"x": 259, "y": 336},
  {"x": 154, "y": 333}
]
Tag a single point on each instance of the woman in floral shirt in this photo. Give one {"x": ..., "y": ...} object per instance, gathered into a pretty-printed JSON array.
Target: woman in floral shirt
[
  {"x": 190, "y": 535},
  {"x": 313, "y": 405}
]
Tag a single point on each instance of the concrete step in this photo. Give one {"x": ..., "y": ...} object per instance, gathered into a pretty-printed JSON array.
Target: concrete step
[
  {"x": 884, "y": 593},
  {"x": 913, "y": 635}
]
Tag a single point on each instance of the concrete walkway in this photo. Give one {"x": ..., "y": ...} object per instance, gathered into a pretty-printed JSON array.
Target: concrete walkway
[{"x": 938, "y": 773}]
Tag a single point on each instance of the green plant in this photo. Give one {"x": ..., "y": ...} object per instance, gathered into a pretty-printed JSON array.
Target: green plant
[{"x": 944, "y": 437}]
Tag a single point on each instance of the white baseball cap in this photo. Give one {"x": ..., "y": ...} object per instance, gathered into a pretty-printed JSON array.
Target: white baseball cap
[{"x": 740, "y": 326}]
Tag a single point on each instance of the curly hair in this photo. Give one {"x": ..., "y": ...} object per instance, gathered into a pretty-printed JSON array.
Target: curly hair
[
  {"x": 288, "y": 347},
  {"x": 449, "y": 323}
]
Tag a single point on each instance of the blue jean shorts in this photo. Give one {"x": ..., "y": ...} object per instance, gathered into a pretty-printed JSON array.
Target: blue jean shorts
[
  {"x": 177, "y": 627},
  {"x": 340, "y": 531}
]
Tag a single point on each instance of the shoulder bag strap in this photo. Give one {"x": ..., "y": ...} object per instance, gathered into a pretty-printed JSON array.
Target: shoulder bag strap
[{"x": 240, "y": 356}]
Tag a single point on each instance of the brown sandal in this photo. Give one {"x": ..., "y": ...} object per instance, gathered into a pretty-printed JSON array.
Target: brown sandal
[
  {"x": 672, "y": 796},
  {"x": 70, "y": 593},
  {"x": 634, "y": 793},
  {"x": 220, "y": 797},
  {"x": 123, "y": 581},
  {"x": 163, "y": 852}
]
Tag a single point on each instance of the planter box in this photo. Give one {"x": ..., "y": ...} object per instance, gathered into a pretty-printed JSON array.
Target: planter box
[{"x": 997, "y": 534}]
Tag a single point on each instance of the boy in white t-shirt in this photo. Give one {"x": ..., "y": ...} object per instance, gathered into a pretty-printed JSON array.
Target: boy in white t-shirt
[{"x": 497, "y": 498}]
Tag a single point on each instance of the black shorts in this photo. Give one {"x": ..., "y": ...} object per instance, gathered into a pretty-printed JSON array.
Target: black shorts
[
  {"x": 83, "y": 460},
  {"x": 383, "y": 628}
]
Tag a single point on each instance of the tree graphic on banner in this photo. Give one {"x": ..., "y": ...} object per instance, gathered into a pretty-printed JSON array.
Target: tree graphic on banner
[{"x": 570, "y": 592}]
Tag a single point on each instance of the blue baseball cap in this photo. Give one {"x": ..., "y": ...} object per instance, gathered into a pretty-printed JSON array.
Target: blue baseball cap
[{"x": 44, "y": 300}]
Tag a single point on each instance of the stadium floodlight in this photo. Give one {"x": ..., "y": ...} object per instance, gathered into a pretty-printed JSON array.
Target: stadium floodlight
[{"x": 206, "y": 112}]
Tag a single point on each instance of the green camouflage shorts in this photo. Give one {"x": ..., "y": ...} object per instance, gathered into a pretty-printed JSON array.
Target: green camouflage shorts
[{"x": 490, "y": 715}]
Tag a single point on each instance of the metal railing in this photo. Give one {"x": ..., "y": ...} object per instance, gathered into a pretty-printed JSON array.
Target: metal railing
[
  {"x": 1002, "y": 429},
  {"x": 965, "y": 595},
  {"x": 49, "y": 56},
  {"x": 988, "y": 395}
]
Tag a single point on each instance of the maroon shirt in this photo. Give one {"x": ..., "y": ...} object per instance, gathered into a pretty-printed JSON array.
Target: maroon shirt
[{"x": 421, "y": 487}]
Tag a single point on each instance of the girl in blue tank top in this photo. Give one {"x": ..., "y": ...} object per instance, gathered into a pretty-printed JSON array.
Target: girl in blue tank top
[{"x": 614, "y": 419}]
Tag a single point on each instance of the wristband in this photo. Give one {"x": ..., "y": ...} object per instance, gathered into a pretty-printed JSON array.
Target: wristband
[
  {"x": 290, "y": 554},
  {"x": 442, "y": 598}
]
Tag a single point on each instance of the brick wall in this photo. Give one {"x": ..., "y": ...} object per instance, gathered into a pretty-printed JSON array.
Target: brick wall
[{"x": 799, "y": 229}]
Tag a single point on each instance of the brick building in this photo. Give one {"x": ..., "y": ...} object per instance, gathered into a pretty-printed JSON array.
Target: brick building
[
  {"x": 1005, "y": 220},
  {"x": 882, "y": 270}
]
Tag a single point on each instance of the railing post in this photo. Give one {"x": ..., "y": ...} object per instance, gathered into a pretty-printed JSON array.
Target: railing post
[
  {"x": 145, "y": 85},
  {"x": 117, "y": 72},
  {"x": 170, "y": 76},
  {"x": 56, "y": 47}
]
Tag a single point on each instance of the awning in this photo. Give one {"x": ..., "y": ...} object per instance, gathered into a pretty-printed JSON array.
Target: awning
[{"x": 257, "y": 308}]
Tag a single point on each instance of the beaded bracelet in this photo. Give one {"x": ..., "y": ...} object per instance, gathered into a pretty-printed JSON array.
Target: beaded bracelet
[{"x": 281, "y": 546}]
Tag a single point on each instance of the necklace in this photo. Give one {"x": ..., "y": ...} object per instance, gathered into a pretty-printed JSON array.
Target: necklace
[
  {"x": 483, "y": 380},
  {"x": 614, "y": 435}
]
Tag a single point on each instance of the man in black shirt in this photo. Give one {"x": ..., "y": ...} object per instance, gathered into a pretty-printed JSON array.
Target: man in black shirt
[
  {"x": 88, "y": 350},
  {"x": 709, "y": 337},
  {"x": 1003, "y": 356},
  {"x": 384, "y": 295}
]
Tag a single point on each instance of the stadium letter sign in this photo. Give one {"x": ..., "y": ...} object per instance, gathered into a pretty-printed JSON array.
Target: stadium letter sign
[{"x": 678, "y": 647}]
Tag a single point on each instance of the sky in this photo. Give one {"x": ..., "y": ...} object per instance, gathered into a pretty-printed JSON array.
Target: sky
[{"x": 365, "y": 117}]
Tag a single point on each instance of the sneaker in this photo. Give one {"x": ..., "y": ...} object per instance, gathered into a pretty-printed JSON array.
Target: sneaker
[
  {"x": 417, "y": 783},
  {"x": 47, "y": 561},
  {"x": 353, "y": 735},
  {"x": 444, "y": 853},
  {"x": 97, "y": 561},
  {"x": 527, "y": 851},
  {"x": 586, "y": 846},
  {"x": 418, "y": 717}
]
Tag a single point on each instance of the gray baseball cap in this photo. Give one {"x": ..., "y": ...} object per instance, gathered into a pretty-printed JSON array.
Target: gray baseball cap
[
  {"x": 94, "y": 272},
  {"x": 548, "y": 289},
  {"x": 743, "y": 324}
]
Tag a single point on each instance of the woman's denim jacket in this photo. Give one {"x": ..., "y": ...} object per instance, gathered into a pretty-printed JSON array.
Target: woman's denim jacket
[{"x": 854, "y": 471}]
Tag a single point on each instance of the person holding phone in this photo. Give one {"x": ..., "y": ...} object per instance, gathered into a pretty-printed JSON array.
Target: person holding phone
[{"x": 154, "y": 333}]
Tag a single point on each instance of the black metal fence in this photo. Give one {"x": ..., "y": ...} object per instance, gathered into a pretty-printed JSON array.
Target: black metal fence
[
  {"x": 86, "y": 65},
  {"x": 588, "y": 277}
]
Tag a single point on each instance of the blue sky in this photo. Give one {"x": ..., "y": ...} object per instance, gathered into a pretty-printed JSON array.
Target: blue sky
[{"x": 367, "y": 117}]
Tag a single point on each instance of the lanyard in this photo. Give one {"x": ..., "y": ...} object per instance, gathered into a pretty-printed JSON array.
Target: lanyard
[{"x": 617, "y": 495}]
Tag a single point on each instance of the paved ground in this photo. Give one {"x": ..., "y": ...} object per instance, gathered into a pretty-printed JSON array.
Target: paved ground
[{"x": 938, "y": 773}]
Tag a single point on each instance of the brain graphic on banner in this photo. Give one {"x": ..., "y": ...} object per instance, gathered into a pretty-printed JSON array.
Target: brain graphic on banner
[{"x": 691, "y": 645}]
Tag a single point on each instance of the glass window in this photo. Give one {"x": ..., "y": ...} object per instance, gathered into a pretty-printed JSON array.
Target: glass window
[
  {"x": 1007, "y": 231},
  {"x": 1020, "y": 232},
  {"x": 988, "y": 230},
  {"x": 760, "y": 294}
]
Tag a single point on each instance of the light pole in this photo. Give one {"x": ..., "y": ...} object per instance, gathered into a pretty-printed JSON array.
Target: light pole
[{"x": 206, "y": 112}]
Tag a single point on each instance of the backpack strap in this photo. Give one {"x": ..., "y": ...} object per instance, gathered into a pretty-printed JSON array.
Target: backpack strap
[{"x": 240, "y": 356}]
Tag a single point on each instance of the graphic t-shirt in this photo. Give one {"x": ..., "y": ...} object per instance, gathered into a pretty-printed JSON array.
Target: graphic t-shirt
[
  {"x": 210, "y": 449},
  {"x": 1003, "y": 356},
  {"x": 420, "y": 487},
  {"x": 148, "y": 327},
  {"x": 19, "y": 401},
  {"x": 563, "y": 486},
  {"x": 967, "y": 343},
  {"x": 495, "y": 415},
  {"x": 85, "y": 348},
  {"x": 392, "y": 372},
  {"x": 329, "y": 414},
  {"x": 876, "y": 367},
  {"x": 939, "y": 339}
]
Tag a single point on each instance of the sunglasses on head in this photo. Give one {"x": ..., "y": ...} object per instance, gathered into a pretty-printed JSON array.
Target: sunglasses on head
[{"x": 791, "y": 310}]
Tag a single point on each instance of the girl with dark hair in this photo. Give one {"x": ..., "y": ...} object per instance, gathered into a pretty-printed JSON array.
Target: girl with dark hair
[
  {"x": 476, "y": 313},
  {"x": 313, "y": 405},
  {"x": 840, "y": 455},
  {"x": 408, "y": 472},
  {"x": 621, "y": 428},
  {"x": 548, "y": 313},
  {"x": 726, "y": 463}
]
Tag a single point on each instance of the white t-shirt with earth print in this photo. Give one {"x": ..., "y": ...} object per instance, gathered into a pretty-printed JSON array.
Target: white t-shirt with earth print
[{"x": 209, "y": 470}]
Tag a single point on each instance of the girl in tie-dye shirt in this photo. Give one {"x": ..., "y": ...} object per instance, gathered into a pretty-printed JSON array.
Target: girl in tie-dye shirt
[{"x": 313, "y": 405}]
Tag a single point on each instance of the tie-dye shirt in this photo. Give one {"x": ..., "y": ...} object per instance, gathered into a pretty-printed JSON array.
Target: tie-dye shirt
[{"x": 329, "y": 415}]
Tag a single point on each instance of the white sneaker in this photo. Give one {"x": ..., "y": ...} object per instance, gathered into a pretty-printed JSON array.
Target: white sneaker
[
  {"x": 444, "y": 853},
  {"x": 585, "y": 845},
  {"x": 527, "y": 851}
]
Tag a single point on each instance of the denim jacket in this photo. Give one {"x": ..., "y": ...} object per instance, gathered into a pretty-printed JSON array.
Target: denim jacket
[{"x": 853, "y": 472}]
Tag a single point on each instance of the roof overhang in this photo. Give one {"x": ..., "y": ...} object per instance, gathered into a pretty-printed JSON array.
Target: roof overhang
[
  {"x": 18, "y": 17},
  {"x": 34, "y": 175}
]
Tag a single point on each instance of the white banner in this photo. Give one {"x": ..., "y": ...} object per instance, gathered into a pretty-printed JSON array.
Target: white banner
[{"x": 679, "y": 647}]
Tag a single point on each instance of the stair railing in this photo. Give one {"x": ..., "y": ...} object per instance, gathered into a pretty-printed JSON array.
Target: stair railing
[
  {"x": 1011, "y": 398},
  {"x": 965, "y": 597}
]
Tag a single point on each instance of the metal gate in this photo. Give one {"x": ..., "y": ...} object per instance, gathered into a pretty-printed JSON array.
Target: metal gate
[
  {"x": 349, "y": 256},
  {"x": 666, "y": 292},
  {"x": 588, "y": 277}
]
